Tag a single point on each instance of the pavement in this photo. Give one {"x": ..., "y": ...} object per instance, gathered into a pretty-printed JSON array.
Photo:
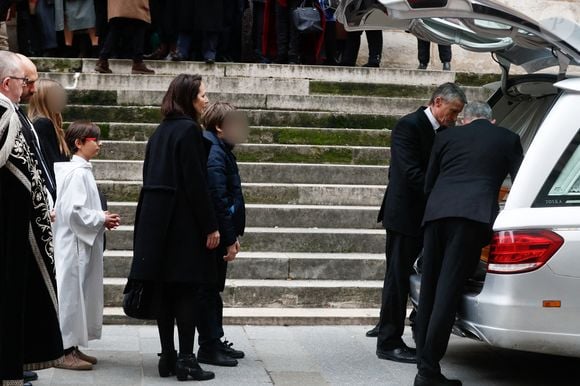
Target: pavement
[{"x": 320, "y": 355}]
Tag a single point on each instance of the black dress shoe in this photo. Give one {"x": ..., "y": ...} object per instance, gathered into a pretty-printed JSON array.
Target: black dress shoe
[
  {"x": 400, "y": 354},
  {"x": 440, "y": 380},
  {"x": 228, "y": 349},
  {"x": 446, "y": 66},
  {"x": 213, "y": 354},
  {"x": 422, "y": 66},
  {"x": 30, "y": 376},
  {"x": 187, "y": 368},
  {"x": 373, "y": 332},
  {"x": 167, "y": 363}
]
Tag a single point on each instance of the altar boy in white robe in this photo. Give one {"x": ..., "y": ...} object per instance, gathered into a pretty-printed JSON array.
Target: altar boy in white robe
[{"x": 78, "y": 246}]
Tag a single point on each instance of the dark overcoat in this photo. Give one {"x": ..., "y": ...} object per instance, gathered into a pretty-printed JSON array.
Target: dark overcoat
[
  {"x": 404, "y": 201},
  {"x": 225, "y": 186},
  {"x": 175, "y": 211}
]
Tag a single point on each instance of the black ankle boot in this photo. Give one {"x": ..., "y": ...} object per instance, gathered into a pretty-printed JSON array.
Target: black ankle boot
[
  {"x": 188, "y": 368},
  {"x": 167, "y": 361},
  {"x": 213, "y": 353}
]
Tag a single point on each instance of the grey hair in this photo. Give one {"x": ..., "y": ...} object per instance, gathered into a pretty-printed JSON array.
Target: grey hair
[
  {"x": 449, "y": 92},
  {"x": 10, "y": 65},
  {"x": 477, "y": 110}
]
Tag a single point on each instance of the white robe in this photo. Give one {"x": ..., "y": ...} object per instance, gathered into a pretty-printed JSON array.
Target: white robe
[{"x": 78, "y": 251}]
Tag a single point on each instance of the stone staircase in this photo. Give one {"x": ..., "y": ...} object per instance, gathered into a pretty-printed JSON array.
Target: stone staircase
[{"x": 314, "y": 172}]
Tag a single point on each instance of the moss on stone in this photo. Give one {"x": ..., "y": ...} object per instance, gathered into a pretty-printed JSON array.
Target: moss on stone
[
  {"x": 92, "y": 97},
  {"x": 369, "y": 89},
  {"x": 58, "y": 65},
  {"x": 475, "y": 79}
]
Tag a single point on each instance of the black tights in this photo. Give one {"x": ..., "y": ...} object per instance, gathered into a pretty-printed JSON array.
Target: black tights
[{"x": 179, "y": 305}]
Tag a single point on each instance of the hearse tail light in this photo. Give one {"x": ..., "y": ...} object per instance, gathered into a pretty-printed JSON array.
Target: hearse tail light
[{"x": 522, "y": 251}]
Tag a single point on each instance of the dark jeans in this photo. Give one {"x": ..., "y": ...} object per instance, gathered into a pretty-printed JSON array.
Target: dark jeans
[
  {"x": 181, "y": 305},
  {"x": 452, "y": 251},
  {"x": 210, "y": 324},
  {"x": 401, "y": 253},
  {"x": 352, "y": 46},
  {"x": 287, "y": 38},
  {"x": 424, "y": 52},
  {"x": 123, "y": 28},
  {"x": 258, "y": 29}
]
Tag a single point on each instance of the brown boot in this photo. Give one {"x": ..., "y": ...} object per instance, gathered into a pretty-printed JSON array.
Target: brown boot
[
  {"x": 73, "y": 362},
  {"x": 103, "y": 67},
  {"x": 141, "y": 68},
  {"x": 87, "y": 358}
]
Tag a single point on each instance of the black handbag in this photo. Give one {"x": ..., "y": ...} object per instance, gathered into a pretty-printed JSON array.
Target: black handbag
[
  {"x": 307, "y": 19},
  {"x": 141, "y": 300}
]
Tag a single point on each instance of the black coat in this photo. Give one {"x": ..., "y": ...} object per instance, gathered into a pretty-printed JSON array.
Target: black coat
[
  {"x": 404, "y": 201},
  {"x": 175, "y": 211},
  {"x": 467, "y": 168},
  {"x": 49, "y": 143},
  {"x": 225, "y": 186}
]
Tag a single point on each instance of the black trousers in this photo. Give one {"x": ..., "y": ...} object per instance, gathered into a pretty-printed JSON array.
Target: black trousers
[
  {"x": 258, "y": 28},
  {"x": 401, "y": 253},
  {"x": 123, "y": 28},
  {"x": 424, "y": 52},
  {"x": 287, "y": 36},
  {"x": 452, "y": 251},
  {"x": 210, "y": 325},
  {"x": 352, "y": 46}
]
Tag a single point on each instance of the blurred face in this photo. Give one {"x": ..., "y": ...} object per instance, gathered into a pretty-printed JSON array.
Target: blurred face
[
  {"x": 12, "y": 87},
  {"x": 201, "y": 101},
  {"x": 446, "y": 112},
  {"x": 89, "y": 148},
  {"x": 235, "y": 129},
  {"x": 56, "y": 100},
  {"x": 29, "y": 87}
]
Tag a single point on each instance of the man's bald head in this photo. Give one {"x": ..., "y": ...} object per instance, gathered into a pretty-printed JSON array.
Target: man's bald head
[
  {"x": 31, "y": 74},
  {"x": 11, "y": 76}
]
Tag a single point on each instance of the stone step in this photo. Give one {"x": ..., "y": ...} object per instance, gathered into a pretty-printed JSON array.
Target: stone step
[
  {"x": 303, "y": 216},
  {"x": 265, "y": 135},
  {"x": 324, "y": 154},
  {"x": 292, "y": 173},
  {"x": 282, "y": 293},
  {"x": 282, "y": 118},
  {"x": 273, "y": 316},
  {"x": 305, "y": 240},
  {"x": 281, "y": 266},
  {"x": 251, "y": 70},
  {"x": 216, "y": 84},
  {"x": 272, "y": 193}
]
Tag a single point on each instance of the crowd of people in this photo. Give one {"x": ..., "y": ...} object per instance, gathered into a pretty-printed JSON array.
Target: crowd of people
[
  {"x": 198, "y": 30},
  {"x": 53, "y": 220}
]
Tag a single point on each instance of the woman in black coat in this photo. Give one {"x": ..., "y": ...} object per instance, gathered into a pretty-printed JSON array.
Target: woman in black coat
[{"x": 176, "y": 227}]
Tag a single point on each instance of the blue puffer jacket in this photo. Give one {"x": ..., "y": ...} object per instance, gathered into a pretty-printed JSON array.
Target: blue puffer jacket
[{"x": 225, "y": 186}]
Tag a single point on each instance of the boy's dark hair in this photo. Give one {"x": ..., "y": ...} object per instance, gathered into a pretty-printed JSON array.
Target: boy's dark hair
[
  {"x": 215, "y": 114},
  {"x": 81, "y": 130},
  {"x": 180, "y": 96}
]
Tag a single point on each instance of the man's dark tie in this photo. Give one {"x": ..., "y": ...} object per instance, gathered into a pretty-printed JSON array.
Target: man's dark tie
[{"x": 28, "y": 133}]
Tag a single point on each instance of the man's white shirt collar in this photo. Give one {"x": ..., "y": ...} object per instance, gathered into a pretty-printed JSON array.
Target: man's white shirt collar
[{"x": 431, "y": 118}]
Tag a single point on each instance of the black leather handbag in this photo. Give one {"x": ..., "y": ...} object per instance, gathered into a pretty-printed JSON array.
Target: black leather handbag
[
  {"x": 141, "y": 300},
  {"x": 307, "y": 19}
]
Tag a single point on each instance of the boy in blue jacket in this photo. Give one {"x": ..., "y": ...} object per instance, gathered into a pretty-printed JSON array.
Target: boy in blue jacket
[{"x": 225, "y": 127}]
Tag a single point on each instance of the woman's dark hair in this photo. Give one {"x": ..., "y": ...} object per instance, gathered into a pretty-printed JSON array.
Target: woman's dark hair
[
  {"x": 81, "y": 130},
  {"x": 180, "y": 95}
]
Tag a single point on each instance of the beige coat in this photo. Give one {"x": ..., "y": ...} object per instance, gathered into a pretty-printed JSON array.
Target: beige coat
[{"x": 131, "y": 9}]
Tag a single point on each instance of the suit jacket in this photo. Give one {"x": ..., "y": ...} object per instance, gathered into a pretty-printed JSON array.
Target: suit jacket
[
  {"x": 404, "y": 201},
  {"x": 467, "y": 168}
]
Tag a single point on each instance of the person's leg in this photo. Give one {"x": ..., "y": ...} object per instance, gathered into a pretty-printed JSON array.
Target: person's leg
[
  {"x": 293, "y": 34},
  {"x": 258, "y": 29},
  {"x": 210, "y": 45},
  {"x": 137, "y": 29},
  {"x": 183, "y": 46},
  {"x": 401, "y": 253},
  {"x": 112, "y": 38},
  {"x": 464, "y": 240},
  {"x": 423, "y": 52},
  {"x": 352, "y": 46},
  {"x": 282, "y": 33},
  {"x": 330, "y": 43},
  {"x": 375, "y": 43},
  {"x": 445, "y": 56}
]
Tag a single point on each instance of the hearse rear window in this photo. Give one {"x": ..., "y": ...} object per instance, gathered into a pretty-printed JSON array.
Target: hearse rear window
[{"x": 562, "y": 188}]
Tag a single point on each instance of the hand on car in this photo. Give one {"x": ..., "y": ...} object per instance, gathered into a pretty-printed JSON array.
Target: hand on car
[
  {"x": 213, "y": 240},
  {"x": 112, "y": 220}
]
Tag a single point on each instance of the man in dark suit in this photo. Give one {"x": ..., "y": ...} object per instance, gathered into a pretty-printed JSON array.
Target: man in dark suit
[
  {"x": 467, "y": 168},
  {"x": 402, "y": 211}
]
